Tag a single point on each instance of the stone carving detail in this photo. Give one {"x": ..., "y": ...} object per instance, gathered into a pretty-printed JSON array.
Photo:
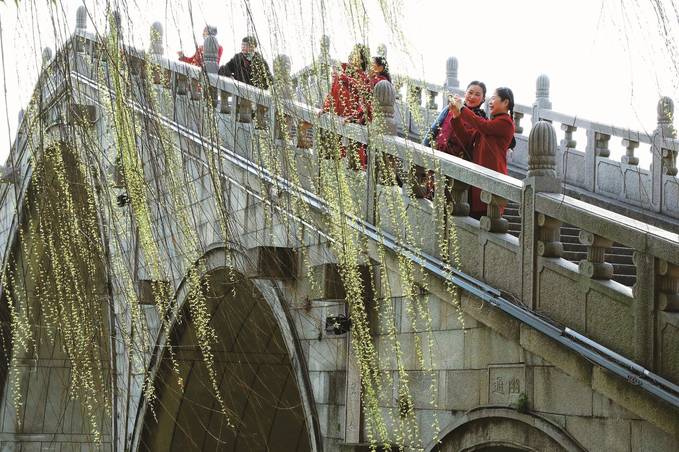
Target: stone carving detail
[
  {"x": 451, "y": 73},
  {"x": 542, "y": 150},
  {"x": 595, "y": 266},
  {"x": 549, "y": 237},
  {"x": 493, "y": 221},
  {"x": 568, "y": 141},
  {"x": 668, "y": 286},
  {"x": 542, "y": 92},
  {"x": 156, "y": 40},
  {"x": 385, "y": 95}
]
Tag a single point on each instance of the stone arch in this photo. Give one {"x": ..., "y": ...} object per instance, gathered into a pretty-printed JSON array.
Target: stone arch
[
  {"x": 261, "y": 370},
  {"x": 498, "y": 429}
]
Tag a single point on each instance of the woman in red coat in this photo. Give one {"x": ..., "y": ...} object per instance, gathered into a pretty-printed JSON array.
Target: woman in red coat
[
  {"x": 446, "y": 140},
  {"x": 490, "y": 138},
  {"x": 349, "y": 96}
]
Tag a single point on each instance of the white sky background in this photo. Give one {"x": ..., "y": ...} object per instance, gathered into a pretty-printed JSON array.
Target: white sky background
[{"x": 606, "y": 59}]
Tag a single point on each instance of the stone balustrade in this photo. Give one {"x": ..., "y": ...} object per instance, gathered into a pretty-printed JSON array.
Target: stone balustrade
[{"x": 605, "y": 168}]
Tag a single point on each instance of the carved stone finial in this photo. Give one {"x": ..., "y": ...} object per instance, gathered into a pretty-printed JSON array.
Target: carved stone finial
[
  {"x": 666, "y": 117},
  {"x": 542, "y": 150},
  {"x": 211, "y": 54},
  {"x": 382, "y": 50},
  {"x": 281, "y": 73},
  {"x": 46, "y": 56},
  {"x": 385, "y": 95},
  {"x": 117, "y": 20},
  {"x": 451, "y": 73},
  {"x": 325, "y": 44},
  {"x": 542, "y": 92},
  {"x": 81, "y": 18},
  {"x": 156, "y": 38}
]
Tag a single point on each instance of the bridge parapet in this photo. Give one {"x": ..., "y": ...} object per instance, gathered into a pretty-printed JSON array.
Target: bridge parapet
[{"x": 597, "y": 170}]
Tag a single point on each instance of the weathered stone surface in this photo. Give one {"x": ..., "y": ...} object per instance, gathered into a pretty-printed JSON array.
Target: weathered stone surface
[
  {"x": 600, "y": 434},
  {"x": 483, "y": 346},
  {"x": 556, "y": 354},
  {"x": 556, "y": 392},
  {"x": 561, "y": 299},
  {"x": 463, "y": 388},
  {"x": 502, "y": 266},
  {"x": 633, "y": 398},
  {"x": 610, "y": 322}
]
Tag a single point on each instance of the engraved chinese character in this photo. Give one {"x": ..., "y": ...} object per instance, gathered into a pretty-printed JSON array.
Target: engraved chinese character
[
  {"x": 514, "y": 386},
  {"x": 499, "y": 386}
]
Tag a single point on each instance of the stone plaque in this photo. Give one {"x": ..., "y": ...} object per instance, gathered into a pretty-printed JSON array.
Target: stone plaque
[{"x": 505, "y": 384}]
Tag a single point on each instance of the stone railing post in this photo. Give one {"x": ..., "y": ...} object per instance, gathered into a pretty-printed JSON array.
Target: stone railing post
[
  {"x": 568, "y": 142},
  {"x": 518, "y": 128},
  {"x": 210, "y": 64},
  {"x": 284, "y": 124},
  {"x": 542, "y": 101},
  {"x": 644, "y": 291},
  {"x": 81, "y": 18},
  {"x": 629, "y": 158},
  {"x": 211, "y": 53},
  {"x": 156, "y": 50},
  {"x": 601, "y": 144},
  {"x": 595, "y": 266},
  {"x": 493, "y": 220},
  {"x": 431, "y": 100},
  {"x": 457, "y": 192},
  {"x": 156, "y": 39},
  {"x": 282, "y": 77},
  {"x": 325, "y": 69},
  {"x": 414, "y": 95},
  {"x": 384, "y": 96},
  {"x": 668, "y": 286},
  {"x": 46, "y": 56},
  {"x": 540, "y": 235},
  {"x": 451, "y": 74},
  {"x": 80, "y": 25},
  {"x": 664, "y": 160}
]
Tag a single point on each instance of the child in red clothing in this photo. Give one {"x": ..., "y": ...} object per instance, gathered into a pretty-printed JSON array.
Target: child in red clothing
[{"x": 491, "y": 138}]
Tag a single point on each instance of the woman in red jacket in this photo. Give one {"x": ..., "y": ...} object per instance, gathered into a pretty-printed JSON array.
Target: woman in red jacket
[
  {"x": 490, "y": 138},
  {"x": 446, "y": 140},
  {"x": 349, "y": 97}
]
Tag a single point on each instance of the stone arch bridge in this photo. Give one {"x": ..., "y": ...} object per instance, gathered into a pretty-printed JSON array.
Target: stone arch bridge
[{"x": 544, "y": 353}]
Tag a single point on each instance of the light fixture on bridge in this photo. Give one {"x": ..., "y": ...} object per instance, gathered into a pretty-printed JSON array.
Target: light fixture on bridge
[
  {"x": 337, "y": 324},
  {"x": 122, "y": 200}
]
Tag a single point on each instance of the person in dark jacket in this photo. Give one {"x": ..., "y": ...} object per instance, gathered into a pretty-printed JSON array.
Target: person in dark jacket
[
  {"x": 248, "y": 66},
  {"x": 491, "y": 138}
]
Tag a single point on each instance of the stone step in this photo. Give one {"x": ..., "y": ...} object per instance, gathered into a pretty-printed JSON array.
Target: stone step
[
  {"x": 624, "y": 269},
  {"x": 625, "y": 280}
]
